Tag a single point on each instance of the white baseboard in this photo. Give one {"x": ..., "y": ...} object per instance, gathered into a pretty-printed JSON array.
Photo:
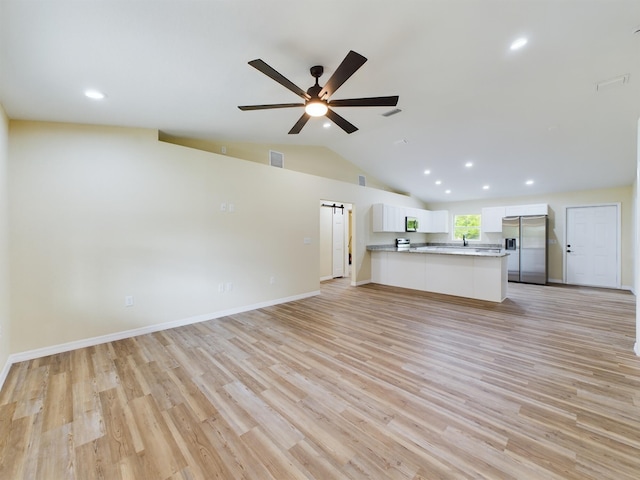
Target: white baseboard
[
  {"x": 324, "y": 279},
  {"x": 636, "y": 348},
  {"x": 89, "y": 342},
  {"x": 361, "y": 282}
]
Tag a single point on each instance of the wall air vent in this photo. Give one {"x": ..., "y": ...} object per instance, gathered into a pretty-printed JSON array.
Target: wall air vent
[
  {"x": 391, "y": 112},
  {"x": 276, "y": 159},
  {"x": 362, "y": 180}
]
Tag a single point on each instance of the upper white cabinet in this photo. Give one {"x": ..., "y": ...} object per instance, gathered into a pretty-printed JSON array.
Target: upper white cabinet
[
  {"x": 521, "y": 210},
  {"x": 439, "y": 222},
  {"x": 492, "y": 216},
  {"x": 492, "y": 219},
  {"x": 390, "y": 218}
]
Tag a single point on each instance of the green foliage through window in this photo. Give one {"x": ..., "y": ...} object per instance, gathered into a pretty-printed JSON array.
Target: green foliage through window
[{"x": 468, "y": 225}]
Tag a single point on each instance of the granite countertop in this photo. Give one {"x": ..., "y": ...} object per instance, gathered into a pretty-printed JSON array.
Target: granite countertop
[{"x": 444, "y": 249}]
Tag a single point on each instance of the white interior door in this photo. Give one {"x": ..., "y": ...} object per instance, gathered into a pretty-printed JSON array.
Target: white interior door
[
  {"x": 338, "y": 242},
  {"x": 592, "y": 246}
]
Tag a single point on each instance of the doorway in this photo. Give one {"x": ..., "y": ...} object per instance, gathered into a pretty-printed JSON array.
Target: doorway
[
  {"x": 592, "y": 249},
  {"x": 335, "y": 239}
]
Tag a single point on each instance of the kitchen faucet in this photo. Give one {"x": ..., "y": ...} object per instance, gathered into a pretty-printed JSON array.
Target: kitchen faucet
[{"x": 464, "y": 241}]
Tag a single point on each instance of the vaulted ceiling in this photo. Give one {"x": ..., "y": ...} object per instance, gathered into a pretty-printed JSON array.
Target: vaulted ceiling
[{"x": 180, "y": 66}]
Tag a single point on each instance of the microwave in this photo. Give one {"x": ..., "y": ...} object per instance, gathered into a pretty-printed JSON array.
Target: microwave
[{"x": 410, "y": 224}]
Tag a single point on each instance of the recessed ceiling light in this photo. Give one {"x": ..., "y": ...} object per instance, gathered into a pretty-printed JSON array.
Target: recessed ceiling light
[
  {"x": 485, "y": 187},
  {"x": 326, "y": 125},
  {"x": 427, "y": 172},
  {"x": 468, "y": 164},
  {"x": 438, "y": 182},
  {"x": 529, "y": 182},
  {"x": 518, "y": 44},
  {"x": 447, "y": 191},
  {"x": 94, "y": 94}
]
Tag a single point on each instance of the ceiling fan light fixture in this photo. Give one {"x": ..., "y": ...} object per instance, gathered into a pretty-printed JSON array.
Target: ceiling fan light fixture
[{"x": 316, "y": 108}]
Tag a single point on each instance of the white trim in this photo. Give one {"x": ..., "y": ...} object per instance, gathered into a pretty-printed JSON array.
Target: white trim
[
  {"x": 328, "y": 277},
  {"x": 5, "y": 371},
  {"x": 618, "y": 206},
  {"x": 89, "y": 342},
  {"x": 360, "y": 283}
]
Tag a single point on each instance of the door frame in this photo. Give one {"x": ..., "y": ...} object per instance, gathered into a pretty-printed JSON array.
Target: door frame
[
  {"x": 618, "y": 206},
  {"x": 349, "y": 224}
]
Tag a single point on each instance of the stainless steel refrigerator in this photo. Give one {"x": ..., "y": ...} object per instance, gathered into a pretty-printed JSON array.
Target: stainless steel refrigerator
[{"x": 525, "y": 240}]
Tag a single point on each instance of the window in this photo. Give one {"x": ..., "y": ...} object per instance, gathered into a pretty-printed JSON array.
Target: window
[{"x": 467, "y": 225}]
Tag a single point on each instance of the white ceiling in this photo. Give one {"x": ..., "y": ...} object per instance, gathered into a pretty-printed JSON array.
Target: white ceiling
[{"x": 181, "y": 66}]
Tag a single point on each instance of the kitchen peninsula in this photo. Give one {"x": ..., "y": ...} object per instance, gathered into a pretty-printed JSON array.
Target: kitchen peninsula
[{"x": 472, "y": 272}]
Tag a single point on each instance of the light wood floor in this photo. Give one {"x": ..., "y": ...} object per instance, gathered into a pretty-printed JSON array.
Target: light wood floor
[{"x": 370, "y": 382}]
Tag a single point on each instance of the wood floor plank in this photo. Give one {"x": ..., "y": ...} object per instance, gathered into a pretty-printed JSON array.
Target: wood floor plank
[{"x": 370, "y": 382}]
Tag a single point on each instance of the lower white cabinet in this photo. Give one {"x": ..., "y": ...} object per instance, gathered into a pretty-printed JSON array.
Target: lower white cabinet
[{"x": 479, "y": 277}]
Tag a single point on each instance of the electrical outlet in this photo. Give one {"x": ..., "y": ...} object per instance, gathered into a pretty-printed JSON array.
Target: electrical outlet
[
  {"x": 223, "y": 207},
  {"x": 232, "y": 208},
  {"x": 272, "y": 280},
  {"x": 228, "y": 287},
  {"x": 221, "y": 288},
  {"x": 128, "y": 301}
]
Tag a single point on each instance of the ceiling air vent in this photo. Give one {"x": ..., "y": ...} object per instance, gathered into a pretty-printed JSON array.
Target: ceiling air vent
[
  {"x": 612, "y": 82},
  {"x": 391, "y": 112},
  {"x": 276, "y": 159},
  {"x": 362, "y": 180}
]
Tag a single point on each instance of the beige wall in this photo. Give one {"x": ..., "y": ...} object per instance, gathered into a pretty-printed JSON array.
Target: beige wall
[
  {"x": 101, "y": 213},
  {"x": 314, "y": 160},
  {"x": 5, "y": 330},
  {"x": 557, "y": 205}
]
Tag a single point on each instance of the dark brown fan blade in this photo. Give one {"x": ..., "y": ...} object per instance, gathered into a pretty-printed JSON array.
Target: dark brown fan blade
[
  {"x": 300, "y": 123},
  {"x": 341, "y": 122},
  {"x": 278, "y": 77},
  {"x": 366, "y": 102},
  {"x": 265, "y": 107},
  {"x": 352, "y": 62}
]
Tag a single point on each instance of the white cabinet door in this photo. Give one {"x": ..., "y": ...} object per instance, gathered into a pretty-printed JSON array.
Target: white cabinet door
[
  {"x": 492, "y": 219},
  {"x": 536, "y": 209},
  {"x": 424, "y": 221},
  {"x": 377, "y": 215},
  {"x": 514, "y": 211},
  {"x": 439, "y": 221},
  {"x": 388, "y": 218},
  {"x": 520, "y": 210},
  {"x": 396, "y": 218}
]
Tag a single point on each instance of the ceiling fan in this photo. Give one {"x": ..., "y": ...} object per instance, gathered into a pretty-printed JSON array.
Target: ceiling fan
[{"x": 316, "y": 98}]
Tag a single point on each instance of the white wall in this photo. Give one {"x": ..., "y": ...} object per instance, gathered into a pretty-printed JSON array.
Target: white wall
[
  {"x": 5, "y": 328},
  {"x": 101, "y": 213},
  {"x": 636, "y": 241}
]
